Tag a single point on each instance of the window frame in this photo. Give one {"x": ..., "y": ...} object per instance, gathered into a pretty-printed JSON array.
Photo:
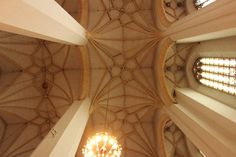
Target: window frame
[{"x": 205, "y": 72}]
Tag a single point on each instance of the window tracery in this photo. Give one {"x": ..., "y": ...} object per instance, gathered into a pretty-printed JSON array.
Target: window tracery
[
  {"x": 202, "y": 3},
  {"x": 217, "y": 73}
]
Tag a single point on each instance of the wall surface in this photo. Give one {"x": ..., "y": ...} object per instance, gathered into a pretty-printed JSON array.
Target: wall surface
[{"x": 215, "y": 48}]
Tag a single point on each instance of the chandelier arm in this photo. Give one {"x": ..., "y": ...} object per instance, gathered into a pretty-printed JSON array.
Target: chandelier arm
[{"x": 106, "y": 127}]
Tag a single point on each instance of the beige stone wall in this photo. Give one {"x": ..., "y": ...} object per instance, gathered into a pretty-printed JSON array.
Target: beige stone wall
[{"x": 225, "y": 47}]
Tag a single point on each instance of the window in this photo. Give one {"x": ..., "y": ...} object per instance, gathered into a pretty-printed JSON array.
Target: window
[
  {"x": 202, "y": 153},
  {"x": 202, "y": 3},
  {"x": 217, "y": 73}
]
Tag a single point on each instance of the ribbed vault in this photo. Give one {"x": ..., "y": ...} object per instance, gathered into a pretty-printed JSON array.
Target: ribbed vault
[
  {"x": 122, "y": 45},
  {"x": 177, "y": 144},
  {"x": 40, "y": 79},
  {"x": 38, "y": 82}
]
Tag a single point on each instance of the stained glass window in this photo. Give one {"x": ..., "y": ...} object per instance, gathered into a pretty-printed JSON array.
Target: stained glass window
[{"x": 217, "y": 73}]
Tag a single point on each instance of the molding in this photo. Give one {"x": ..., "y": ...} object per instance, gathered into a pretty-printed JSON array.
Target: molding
[
  {"x": 161, "y": 21},
  {"x": 159, "y": 72},
  {"x": 83, "y": 18},
  {"x": 161, "y": 120},
  {"x": 84, "y": 13},
  {"x": 85, "y": 85}
]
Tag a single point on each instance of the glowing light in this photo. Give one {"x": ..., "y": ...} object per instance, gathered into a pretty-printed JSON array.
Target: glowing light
[
  {"x": 202, "y": 154},
  {"x": 218, "y": 73},
  {"x": 102, "y": 145},
  {"x": 203, "y": 3}
]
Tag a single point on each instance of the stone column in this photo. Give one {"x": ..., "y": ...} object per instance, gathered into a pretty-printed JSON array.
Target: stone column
[
  {"x": 209, "y": 124},
  {"x": 63, "y": 140},
  {"x": 44, "y": 19},
  {"x": 214, "y": 21}
]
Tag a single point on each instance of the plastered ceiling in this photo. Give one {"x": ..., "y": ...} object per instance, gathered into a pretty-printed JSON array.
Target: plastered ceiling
[
  {"x": 177, "y": 144},
  {"x": 122, "y": 45},
  {"x": 40, "y": 79},
  {"x": 38, "y": 82},
  {"x": 175, "y": 65}
]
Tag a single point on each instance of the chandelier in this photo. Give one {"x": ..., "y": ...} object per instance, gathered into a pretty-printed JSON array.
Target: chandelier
[{"x": 102, "y": 145}]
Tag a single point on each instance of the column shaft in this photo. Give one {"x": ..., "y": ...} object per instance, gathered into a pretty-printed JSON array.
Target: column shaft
[
  {"x": 209, "y": 124},
  {"x": 44, "y": 19},
  {"x": 214, "y": 21},
  {"x": 63, "y": 140}
]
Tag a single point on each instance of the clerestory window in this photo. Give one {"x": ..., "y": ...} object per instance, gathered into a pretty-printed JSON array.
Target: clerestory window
[
  {"x": 202, "y": 3},
  {"x": 217, "y": 73}
]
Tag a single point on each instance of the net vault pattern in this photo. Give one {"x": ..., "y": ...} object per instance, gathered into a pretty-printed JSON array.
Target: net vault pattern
[
  {"x": 39, "y": 81},
  {"x": 122, "y": 43},
  {"x": 177, "y": 144}
]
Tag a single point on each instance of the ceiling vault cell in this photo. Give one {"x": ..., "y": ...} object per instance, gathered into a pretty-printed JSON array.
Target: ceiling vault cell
[
  {"x": 122, "y": 44},
  {"x": 39, "y": 81},
  {"x": 42, "y": 79}
]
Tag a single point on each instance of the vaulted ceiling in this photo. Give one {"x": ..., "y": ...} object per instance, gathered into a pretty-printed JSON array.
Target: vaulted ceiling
[
  {"x": 40, "y": 79},
  {"x": 122, "y": 45}
]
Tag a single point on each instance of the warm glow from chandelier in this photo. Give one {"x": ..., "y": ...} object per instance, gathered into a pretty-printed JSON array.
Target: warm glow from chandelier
[{"x": 102, "y": 145}]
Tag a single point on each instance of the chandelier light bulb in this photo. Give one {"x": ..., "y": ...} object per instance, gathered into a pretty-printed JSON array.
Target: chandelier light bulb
[{"x": 102, "y": 145}]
